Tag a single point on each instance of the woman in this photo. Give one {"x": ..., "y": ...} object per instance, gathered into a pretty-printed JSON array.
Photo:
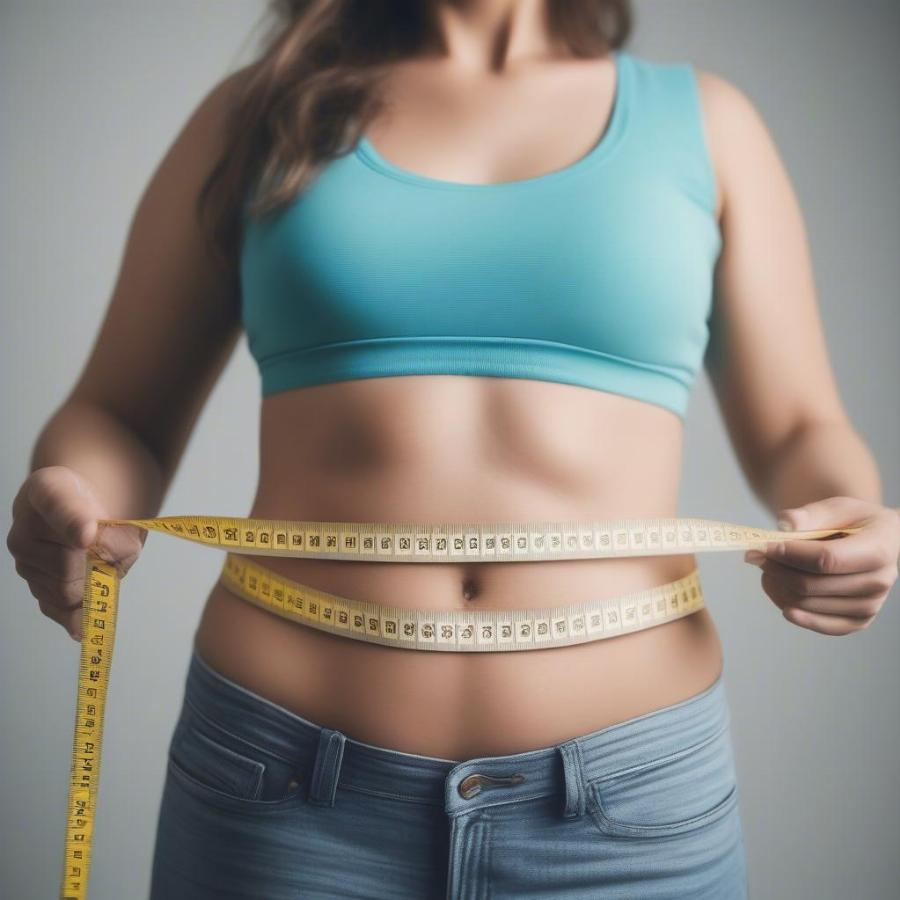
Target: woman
[{"x": 478, "y": 293}]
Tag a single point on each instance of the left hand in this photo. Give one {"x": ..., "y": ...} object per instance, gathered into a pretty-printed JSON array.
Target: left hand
[{"x": 836, "y": 585}]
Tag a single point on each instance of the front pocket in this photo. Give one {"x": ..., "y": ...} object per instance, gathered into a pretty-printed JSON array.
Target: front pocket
[
  {"x": 677, "y": 793},
  {"x": 223, "y": 768}
]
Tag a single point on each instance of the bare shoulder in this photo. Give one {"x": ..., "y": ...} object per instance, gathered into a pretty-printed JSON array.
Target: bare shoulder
[
  {"x": 197, "y": 146},
  {"x": 209, "y": 117},
  {"x": 738, "y": 136}
]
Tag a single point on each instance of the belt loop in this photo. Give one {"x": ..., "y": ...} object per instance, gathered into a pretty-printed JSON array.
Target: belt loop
[
  {"x": 327, "y": 767},
  {"x": 573, "y": 772}
]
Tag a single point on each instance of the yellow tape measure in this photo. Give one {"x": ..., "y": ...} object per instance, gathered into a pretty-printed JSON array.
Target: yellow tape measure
[
  {"x": 462, "y": 630},
  {"x": 385, "y": 542}
]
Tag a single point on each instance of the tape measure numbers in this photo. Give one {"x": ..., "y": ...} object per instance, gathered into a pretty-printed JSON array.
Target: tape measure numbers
[
  {"x": 457, "y": 630},
  {"x": 461, "y": 630}
]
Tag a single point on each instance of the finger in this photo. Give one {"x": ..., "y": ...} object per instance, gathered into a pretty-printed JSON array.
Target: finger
[
  {"x": 68, "y": 616},
  {"x": 60, "y": 501},
  {"x": 29, "y": 526},
  {"x": 72, "y": 623},
  {"x": 853, "y": 608},
  {"x": 119, "y": 545},
  {"x": 859, "y": 552},
  {"x": 830, "y": 625},
  {"x": 807, "y": 584},
  {"x": 846, "y": 510},
  {"x": 20, "y": 501},
  {"x": 70, "y": 619},
  {"x": 834, "y": 606},
  {"x": 62, "y": 595},
  {"x": 53, "y": 559}
]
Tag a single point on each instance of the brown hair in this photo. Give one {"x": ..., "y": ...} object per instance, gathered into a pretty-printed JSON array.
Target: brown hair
[{"x": 313, "y": 91}]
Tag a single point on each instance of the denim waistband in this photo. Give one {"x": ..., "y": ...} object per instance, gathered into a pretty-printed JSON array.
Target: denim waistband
[{"x": 336, "y": 760}]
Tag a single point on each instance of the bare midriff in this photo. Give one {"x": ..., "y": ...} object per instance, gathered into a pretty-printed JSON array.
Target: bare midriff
[{"x": 460, "y": 448}]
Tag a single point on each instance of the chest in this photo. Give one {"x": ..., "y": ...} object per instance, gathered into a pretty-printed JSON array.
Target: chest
[
  {"x": 598, "y": 273},
  {"x": 619, "y": 262}
]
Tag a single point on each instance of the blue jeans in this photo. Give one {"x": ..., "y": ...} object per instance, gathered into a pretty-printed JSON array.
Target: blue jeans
[{"x": 261, "y": 803}]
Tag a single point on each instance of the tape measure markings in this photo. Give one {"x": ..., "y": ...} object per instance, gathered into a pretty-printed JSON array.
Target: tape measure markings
[
  {"x": 413, "y": 542},
  {"x": 431, "y": 629}
]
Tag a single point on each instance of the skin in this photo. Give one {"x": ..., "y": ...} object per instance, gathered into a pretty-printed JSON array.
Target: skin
[{"x": 450, "y": 448}]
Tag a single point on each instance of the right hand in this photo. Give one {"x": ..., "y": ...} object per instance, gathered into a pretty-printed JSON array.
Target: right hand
[{"x": 55, "y": 517}]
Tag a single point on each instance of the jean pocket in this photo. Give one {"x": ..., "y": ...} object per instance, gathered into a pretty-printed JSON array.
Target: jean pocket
[
  {"x": 673, "y": 794},
  {"x": 225, "y": 769}
]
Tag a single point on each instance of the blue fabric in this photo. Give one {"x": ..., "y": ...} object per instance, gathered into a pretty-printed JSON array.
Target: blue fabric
[
  {"x": 598, "y": 274},
  {"x": 261, "y": 803}
]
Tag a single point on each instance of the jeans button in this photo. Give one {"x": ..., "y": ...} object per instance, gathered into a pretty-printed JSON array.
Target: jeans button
[
  {"x": 469, "y": 786},
  {"x": 472, "y": 784}
]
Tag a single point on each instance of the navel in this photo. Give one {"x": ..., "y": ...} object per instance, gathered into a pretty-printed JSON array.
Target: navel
[{"x": 470, "y": 588}]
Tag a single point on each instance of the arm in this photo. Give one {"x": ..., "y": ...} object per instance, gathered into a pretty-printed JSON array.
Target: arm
[
  {"x": 170, "y": 327},
  {"x": 768, "y": 364},
  {"x": 767, "y": 359},
  {"x": 94, "y": 442},
  {"x": 820, "y": 460}
]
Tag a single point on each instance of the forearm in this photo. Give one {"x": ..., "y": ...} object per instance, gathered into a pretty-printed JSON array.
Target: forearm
[
  {"x": 96, "y": 444},
  {"x": 821, "y": 460}
]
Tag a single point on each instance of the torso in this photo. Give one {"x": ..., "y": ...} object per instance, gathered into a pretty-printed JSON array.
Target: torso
[{"x": 452, "y": 448}]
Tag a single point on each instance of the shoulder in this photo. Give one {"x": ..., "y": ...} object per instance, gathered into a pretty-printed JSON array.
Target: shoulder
[
  {"x": 201, "y": 139},
  {"x": 212, "y": 112},
  {"x": 737, "y": 135},
  {"x": 733, "y": 130},
  {"x": 725, "y": 105}
]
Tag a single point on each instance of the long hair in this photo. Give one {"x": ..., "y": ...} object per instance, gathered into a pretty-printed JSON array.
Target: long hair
[{"x": 314, "y": 89}]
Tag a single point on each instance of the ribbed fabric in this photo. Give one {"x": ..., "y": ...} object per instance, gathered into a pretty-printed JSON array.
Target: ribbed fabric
[{"x": 598, "y": 274}]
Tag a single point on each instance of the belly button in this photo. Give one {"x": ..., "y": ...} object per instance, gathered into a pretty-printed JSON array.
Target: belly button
[{"x": 470, "y": 588}]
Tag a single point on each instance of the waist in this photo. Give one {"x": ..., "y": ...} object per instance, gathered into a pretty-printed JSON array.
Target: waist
[{"x": 456, "y": 705}]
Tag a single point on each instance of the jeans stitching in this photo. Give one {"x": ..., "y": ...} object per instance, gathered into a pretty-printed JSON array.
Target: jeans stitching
[
  {"x": 195, "y": 710},
  {"x": 573, "y": 775},
  {"x": 253, "y": 770},
  {"x": 196, "y": 787},
  {"x": 657, "y": 761},
  {"x": 607, "y": 824}
]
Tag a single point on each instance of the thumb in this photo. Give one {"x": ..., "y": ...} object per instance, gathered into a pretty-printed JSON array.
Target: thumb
[{"x": 832, "y": 512}]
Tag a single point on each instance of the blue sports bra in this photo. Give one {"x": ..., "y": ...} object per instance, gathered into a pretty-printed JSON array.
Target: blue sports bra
[{"x": 598, "y": 274}]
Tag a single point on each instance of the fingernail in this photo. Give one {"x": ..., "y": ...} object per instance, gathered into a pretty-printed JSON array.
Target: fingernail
[{"x": 754, "y": 557}]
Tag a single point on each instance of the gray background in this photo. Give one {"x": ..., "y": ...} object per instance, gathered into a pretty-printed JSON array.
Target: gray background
[{"x": 93, "y": 93}]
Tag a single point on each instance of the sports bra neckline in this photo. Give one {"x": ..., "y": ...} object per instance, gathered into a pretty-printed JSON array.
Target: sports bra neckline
[{"x": 604, "y": 147}]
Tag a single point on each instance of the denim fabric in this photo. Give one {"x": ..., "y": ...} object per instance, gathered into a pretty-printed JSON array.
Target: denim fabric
[{"x": 261, "y": 803}]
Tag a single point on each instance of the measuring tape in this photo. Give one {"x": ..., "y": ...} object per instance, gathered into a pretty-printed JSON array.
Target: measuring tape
[
  {"x": 416, "y": 629},
  {"x": 461, "y": 630}
]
